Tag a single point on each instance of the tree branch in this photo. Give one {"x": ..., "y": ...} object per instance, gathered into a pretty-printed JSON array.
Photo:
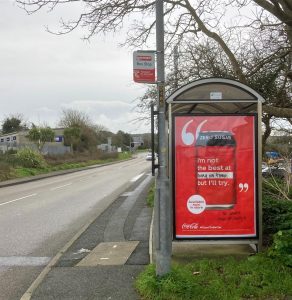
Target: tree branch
[{"x": 218, "y": 39}]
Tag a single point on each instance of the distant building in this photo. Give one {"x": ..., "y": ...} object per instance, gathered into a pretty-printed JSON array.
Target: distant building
[
  {"x": 136, "y": 141},
  {"x": 107, "y": 147},
  {"x": 18, "y": 140}
]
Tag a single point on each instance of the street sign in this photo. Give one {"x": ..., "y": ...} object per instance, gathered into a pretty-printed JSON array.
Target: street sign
[{"x": 144, "y": 66}]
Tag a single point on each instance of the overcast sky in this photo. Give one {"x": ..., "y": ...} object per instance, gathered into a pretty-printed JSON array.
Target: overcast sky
[{"x": 41, "y": 74}]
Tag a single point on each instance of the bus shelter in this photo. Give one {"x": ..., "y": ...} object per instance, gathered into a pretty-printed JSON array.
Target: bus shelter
[{"x": 215, "y": 162}]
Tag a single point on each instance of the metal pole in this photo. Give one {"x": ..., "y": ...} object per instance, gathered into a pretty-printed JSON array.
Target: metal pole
[
  {"x": 163, "y": 208},
  {"x": 175, "y": 62},
  {"x": 260, "y": 179}
]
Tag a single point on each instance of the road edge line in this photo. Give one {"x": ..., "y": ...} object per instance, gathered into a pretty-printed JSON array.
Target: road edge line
[{"x": 151, "y": 239}]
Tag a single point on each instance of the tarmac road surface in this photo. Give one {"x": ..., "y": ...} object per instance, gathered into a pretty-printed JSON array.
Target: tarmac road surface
[{"x": 38, "y": 218}]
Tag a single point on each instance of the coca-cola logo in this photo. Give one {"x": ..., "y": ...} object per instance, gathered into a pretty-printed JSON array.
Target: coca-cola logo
[{"x": 192, "y": 226}]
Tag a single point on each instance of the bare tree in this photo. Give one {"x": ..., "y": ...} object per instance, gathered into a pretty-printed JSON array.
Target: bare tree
[
  {"x": 188, "y": 21},
  {"x": 74, "y": 118},
  {"x": 79, "y": 131}
]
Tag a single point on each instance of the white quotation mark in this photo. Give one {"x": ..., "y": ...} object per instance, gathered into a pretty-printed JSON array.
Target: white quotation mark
[
  {"x": 187, "y": 137},
  {"x": 243, "y": 187}
]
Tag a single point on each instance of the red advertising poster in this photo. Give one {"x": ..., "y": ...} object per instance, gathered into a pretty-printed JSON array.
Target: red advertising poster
[{"x": 214, "y": 176}]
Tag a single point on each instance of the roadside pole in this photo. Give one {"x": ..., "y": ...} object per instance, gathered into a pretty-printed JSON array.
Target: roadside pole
[{"x": 163, "y": 236}]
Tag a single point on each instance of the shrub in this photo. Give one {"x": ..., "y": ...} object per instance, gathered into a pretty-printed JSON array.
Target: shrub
[
  {"x": 277, "y": 215},
  {"x": 5, "y": 171},
  {"x": 279, "y": 188},
  {"x": 9, "y": 158},
  {"x": 29, "y": 158},
  {"x": 282, "y": 247},
  {"x": 109, "y": 155}
]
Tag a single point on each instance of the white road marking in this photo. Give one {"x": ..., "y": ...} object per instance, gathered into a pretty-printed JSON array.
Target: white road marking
[
  {"x": 127, "y": 194},
  {"x": 61, "y": 186},
  {"x": 137, "y": 177},
  {"x": 13, "y": 261},
  {"x": 21, "y": 198},
  {"x": 82, "y": 250}
]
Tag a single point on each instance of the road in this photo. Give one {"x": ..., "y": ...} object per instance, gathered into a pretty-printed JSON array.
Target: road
[{"x": 38, "y": 218}]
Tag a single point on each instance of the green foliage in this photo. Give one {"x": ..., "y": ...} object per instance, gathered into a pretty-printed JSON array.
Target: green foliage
[
  {"x": 88, "y": 139},
  {"x": 80, "y": 138},
  {"x": 11, "y": 124},
  {"x": 277, "y": 215},
  {"x": 257, "y": 277},
  {"x": 124, "y": 155},
  {"x": 122, "y": 139},
  {"x": 5, "y": 171},
  {"x": 41, "y": 135},
  {"x": 150, "y": 196},
  {"x": 52, "y": 163},
  {"x": 72, "y": 136},
  {"x": 263, "y": 276},
  {"x": 278, "y": 187},
  {"x": 29, "y": 158},
  {"x": 9, "y": 158},
  {"x": 25, "y": 172},
  {"x": 282, "y": 247},
  {"x": 79, "y": 132}
]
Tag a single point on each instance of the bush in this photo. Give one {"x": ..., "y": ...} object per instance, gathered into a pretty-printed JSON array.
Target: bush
[
  {"x": 282, "y": 247},
  {"x": 9, "y": 158},
  {"x": 29, "y": 158},
  {"x": 5, "y": 171},
  {"x": 110, "y": 155},
  {"x": 277, "y": 215},
  {"x": 279, "y": 188}
]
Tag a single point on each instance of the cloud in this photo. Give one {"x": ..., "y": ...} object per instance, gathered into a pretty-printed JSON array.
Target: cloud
[
  {"x": 114, "y": 115},
  {"x": 110, "y": 108},
  {"x": 41, "y": 73},
  {"x": 127, "y": 123}
]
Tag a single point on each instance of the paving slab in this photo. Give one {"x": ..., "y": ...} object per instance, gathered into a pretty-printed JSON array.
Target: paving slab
[{"x": 109, "y": 254}]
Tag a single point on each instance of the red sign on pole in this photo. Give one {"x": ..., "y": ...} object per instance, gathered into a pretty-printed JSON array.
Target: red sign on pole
[
  {"x": 215, "y": 178},
  {"x": 144, "y": 67}
]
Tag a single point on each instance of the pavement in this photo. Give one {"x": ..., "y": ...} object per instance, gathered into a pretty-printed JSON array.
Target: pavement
[{"x": 105, "y": 257}]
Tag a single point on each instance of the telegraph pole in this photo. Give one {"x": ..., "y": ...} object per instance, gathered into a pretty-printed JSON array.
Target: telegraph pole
[{"x": 163, "y": 237}]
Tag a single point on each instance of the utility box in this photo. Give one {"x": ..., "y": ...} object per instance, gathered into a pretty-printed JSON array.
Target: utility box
[{"x": 215, "y": 162}]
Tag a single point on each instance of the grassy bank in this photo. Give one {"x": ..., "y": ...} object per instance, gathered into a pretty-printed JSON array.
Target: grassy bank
[
  {"x": 257, "y": 277},
  {"x": 11, "y": 168}
]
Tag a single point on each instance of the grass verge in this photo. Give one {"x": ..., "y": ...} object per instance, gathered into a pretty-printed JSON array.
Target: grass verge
[
  {"x": 262, "y": 276},
  {"x": 257, "y": 277},
  {"x": 20, "y": 172},
  {"x": 150, "y": 196}
]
